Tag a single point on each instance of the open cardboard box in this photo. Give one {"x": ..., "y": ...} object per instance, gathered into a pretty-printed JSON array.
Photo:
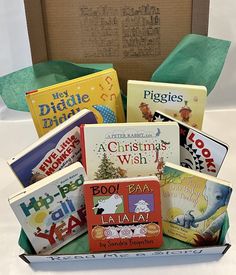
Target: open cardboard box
[
  {"x": 170, "y": 247},
  {"x": 136, "y": 35}
]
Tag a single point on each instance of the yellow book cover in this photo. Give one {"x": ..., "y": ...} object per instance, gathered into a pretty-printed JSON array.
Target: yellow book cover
[
  {"x": 99, "y": 92},
  {"x": 194, "y": 205},
  {"x": 180, "y": 101}
]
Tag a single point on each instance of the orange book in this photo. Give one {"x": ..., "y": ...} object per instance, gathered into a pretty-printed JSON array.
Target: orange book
[{"x": 123, "y": 213}]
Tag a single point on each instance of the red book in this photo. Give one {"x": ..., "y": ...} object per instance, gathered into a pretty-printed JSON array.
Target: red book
[{"x": 123, "y": 213}]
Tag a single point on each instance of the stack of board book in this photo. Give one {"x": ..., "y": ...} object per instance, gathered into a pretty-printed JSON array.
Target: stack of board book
[{"x": 130, "y": 161}]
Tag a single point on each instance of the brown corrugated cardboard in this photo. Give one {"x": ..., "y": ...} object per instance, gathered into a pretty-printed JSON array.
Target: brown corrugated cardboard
[{"x": 136, "y": 35}]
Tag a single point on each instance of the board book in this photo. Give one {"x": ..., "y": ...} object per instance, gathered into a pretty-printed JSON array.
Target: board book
[
  {"x": 123, "y": 213},
  {"x": 198, "y": 150},
  {"x": 128, "y": 149},
  {"x": 99, "y": 92},
  {"x": 55, "y": 150},
  {"x": 194, "y": 205},
  {"x": 52, "y": 211},
  {"x": 181, "y": 101}
]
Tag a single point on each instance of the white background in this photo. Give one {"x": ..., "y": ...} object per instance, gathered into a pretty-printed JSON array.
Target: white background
[{"x": 16, "y": 134}]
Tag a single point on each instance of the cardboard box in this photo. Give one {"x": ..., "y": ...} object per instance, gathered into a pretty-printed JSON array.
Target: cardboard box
[
  {"x": 136, "y": 35},
  {"x": 219, "y": 249}
]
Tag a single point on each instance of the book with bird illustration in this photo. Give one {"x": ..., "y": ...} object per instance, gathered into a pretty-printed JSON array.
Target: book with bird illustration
[
  {"x": 99, "y": 92},
  {"x": 194, "y": 205},
  {"x": 128, "y": 149},
  {"x": 123, "y": 213},
  {"x": 52, "y": 211},
  {"x": 180, "y": 101}
]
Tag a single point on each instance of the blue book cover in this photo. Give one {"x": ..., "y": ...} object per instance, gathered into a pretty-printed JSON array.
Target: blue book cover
[{"x": 57, "y": 149}]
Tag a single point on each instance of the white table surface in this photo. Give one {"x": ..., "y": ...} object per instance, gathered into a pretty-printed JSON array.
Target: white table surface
[{"x": 17, "y": 131}]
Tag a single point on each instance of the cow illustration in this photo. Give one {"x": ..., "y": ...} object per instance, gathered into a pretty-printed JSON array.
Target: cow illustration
[{"x": 108, "y": 206}]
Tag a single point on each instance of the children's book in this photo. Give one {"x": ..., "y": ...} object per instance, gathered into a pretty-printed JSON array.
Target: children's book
[
  {"x": 98, "y": 92},
  {"x": 52, "y": 152},
  {"x": 193, "y": 205},
  {"x": 198, "y": 151},
  {"x": 180, "y": 101},
  {"x": 123, "y": 213},
  {"x": 52, "y": 211},
  {"x": 128, "y": 149}
]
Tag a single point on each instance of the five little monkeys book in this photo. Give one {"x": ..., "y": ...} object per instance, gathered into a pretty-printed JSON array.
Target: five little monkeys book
[
  {"x": 198, "y": 151},
  {"x": 128, "y": 149},
  {"x": 123, "y": 213},
  {"x": 55, "y": 150},
  {"x": 52, "y": 210},
  {"x": 99, "y": 92},
  {"x": 193, "y": 205},
  {"x": 181, "y": 101}
]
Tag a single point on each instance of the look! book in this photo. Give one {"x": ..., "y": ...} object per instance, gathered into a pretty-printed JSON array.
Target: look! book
[{"x": 123, "y": 213}]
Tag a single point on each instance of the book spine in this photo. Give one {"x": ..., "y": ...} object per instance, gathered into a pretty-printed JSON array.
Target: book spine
[
  {"x": 82, "y": 146},
  {"x": 34, "y": 117}
]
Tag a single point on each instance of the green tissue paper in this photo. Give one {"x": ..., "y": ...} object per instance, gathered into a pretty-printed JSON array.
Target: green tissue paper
[
  {"x": 196, "y": 60},
  {"x": 14, "y": 86}
]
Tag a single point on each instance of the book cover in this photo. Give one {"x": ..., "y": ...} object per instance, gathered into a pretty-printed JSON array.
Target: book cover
[
  {"x": 98, "y": 92},
  {"x": 128, "y": 149},
  {"x": 183, "y": 102},
  {"x": 52, "y": 211},
  {"x": 198, "y": 150},
  {"x": 55, "y": 150},
  {"x": 123, "y": 213},
  {"x": 193, "y": 205}
]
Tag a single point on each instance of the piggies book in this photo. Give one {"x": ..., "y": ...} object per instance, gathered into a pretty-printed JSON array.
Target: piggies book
[
  {"x": 128, "y": 149},
  {"x": 194, "y": 205},
  {"x": 52, "y": 211},
  {"x": 198, "y": 150},
  {"x": 123, "y": 213},
  {"x": 180, "y": 101}
]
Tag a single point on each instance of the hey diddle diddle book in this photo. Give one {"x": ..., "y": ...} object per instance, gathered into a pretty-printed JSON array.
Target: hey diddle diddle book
[
  {"x": 198, "y": 150},
  {"x": 128, "y": 149},
  {"x": 123, "y": 213},
  {"x": 194, "y": 205},
  {"x": 99, "y": 92},
  {"x": 52, "y": 211},
  {"x": 54, "y": 151},
  {"x": 181, "y": 101}
]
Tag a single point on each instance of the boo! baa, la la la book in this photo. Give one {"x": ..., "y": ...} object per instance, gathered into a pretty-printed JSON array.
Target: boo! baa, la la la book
[
  {"x": 198, "y": 150},
  {"x": 181, "y": 101},
  {"x": 52, "y": 211},
  {"x": 123, "y": 213},
  {"x": 99, "y": 92},
  {"x": 128, "y": 149},
  {"x": 54, "y": 151},
  {"x": 193, "y": 205}
]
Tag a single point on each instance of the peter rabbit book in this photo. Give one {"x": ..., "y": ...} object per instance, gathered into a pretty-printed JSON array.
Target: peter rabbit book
[
  {"x": 193, "y": 205},
  {"x": 52, "y": 152},
  {"x": 128, "y": 149},
  {"x": 198, "y": 151},
  {"x": 180, "y": 101},
  {"x": 52, "y": 211},
  {"x": 123, "y": 213},
  {"x": 98, "y": 92}
]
